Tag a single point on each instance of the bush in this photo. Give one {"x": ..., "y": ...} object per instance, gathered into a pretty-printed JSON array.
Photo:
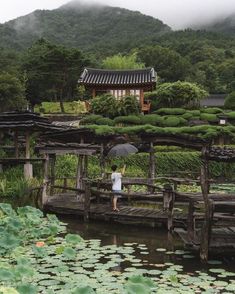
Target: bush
[
  {"x": 180, "y": 94},
  {"x": 209, "y": 117},
  {"x": 129, "y": 105},
  {"x": 173, "y": 111},
  {"x": 187, "y": 115},
  {"x": 105, "y": 105},
  {"x": 108, "y": 106},
  {"x": 130, "y": 119},
  {"x": 230, "y": 101}
]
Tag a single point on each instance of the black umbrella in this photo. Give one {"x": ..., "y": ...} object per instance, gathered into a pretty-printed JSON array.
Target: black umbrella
[{"x": 122, "y": 150}]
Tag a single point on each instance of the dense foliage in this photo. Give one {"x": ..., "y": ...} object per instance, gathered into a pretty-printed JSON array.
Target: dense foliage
[
  {"x": 230, "y": 101},
  {"x": 108, "y": 106}
]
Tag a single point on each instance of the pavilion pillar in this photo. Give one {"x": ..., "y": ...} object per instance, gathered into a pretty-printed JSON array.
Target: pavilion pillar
[
  {"x": 152, "y": 164},
  {"x": 93, "y": 93},
  {"x": 28, "y": 168},
  {"x": 45, "y": 180},
  {"x": 141, "y": 99},
  {"x": 206, "y": 228},
  {"x": 16, "y": 143},
  {"x": 81, "y": 175}
]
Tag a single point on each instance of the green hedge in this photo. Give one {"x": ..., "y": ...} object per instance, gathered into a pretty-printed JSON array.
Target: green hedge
[{"x": 172, "y": 163}]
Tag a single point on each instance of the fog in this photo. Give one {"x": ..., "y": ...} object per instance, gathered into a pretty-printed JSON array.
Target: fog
[{"x": 176, "y": 13}]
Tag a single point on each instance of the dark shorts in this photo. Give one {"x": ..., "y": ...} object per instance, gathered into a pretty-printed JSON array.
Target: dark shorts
[{"x": 117, "y": 195}]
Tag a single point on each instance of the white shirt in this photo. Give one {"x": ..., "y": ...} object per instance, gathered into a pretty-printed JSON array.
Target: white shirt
[{"x": 117, "y": 181}]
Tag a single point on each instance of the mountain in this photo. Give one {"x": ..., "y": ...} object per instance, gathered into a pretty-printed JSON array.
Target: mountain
[
  {"x": 91, "y": 27},
  {"x": 225, "y": 25}
]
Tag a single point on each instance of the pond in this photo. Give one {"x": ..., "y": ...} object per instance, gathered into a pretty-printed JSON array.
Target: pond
[{"x": 158, "y": 243}]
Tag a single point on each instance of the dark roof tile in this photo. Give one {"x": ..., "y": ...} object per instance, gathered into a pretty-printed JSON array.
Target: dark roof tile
[{"x": 118, "y": 77}]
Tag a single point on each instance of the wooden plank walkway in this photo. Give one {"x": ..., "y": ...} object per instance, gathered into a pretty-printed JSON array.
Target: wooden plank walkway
[
  {"x": 128, "y": 214},
  {"x": 222, "y": 239}
]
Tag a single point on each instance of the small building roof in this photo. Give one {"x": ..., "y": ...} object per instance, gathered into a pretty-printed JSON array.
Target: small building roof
[{"x": 103, "y": 77}]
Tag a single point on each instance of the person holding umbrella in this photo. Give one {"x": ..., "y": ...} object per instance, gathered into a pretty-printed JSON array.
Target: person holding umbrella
[{"x": 116, "y": 178}]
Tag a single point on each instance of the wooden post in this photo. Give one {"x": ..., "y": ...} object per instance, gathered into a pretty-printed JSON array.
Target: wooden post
[
  {"x": 52, "y": 161},
  {"x": 93, "y": 93},
  {"x": 190, "y": 220},
  {"x": 152, "y": 166},
  {"x": 45, "y": 180},
  {"x": 28, "y": 168},
  {"x": 168, "y": 205},
  {"x": 205, "y": 233},
  {"x": 87, "y": 201},
  {"x": 16, "y": 144},
  {"x": 102, "y": 161}
]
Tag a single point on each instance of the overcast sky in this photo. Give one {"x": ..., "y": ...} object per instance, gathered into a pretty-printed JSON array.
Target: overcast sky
[{"x": 176, "y": 13}]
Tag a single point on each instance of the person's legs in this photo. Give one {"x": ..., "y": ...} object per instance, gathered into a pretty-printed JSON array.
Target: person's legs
[{"x": 115, "y": 198}]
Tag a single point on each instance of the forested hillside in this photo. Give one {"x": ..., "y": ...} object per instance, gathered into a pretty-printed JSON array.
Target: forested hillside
[
  {"x": 89, "y": 27},
  {"x": 49, "y": 49}
]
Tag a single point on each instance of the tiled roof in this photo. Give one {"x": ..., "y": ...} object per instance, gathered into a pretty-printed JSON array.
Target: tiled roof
[{"x": 92, "y": 76}]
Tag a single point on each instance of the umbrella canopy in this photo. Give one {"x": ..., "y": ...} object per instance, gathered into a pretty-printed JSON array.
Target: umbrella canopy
[{"x": 122, "y": 150}]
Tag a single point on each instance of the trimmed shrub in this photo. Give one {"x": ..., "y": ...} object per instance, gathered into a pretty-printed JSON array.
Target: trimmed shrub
[
  {"x": 106, "y": 105},
  {"x": 230, "y": 101},
  {"x": 187, "y": 115},
  {"x": 173, "y": 111},
  {"x": 195, "y": 113},
  {"x": 173, "y": 121},
  {"x": 231, "y": 114},
  {"x": 105, "y": 121},
  {"x": 130, "y": 119},
  {"x": 90, "y": 119},
  {"x": 152, "y": 119},
  {"x": 212, "y": 110},
  {"x": 209, "y": 117},
  {"x": 129, "y": 105}
]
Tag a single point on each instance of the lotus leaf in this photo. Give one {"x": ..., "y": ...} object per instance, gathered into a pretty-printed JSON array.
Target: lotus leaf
[
  {"x": 83, "y": 290},
  {"x": 27, "y": 289},
  {"x": 69, "y": 253},
  {"x": 136, "y": 288},
  {"x": 7, "y": 290},
  {"x": 6, "y": 274},
  {"x": 73, "y": 239}
]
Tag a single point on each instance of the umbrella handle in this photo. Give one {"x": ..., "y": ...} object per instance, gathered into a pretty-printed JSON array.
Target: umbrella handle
[{"x": 123, "y": 169}]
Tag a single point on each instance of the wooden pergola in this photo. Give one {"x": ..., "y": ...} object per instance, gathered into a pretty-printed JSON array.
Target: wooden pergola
[{"x": 22, "y": 125}]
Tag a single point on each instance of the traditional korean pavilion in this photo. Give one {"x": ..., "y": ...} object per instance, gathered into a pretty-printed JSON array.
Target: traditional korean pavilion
[{"x": 120, "y": 83}]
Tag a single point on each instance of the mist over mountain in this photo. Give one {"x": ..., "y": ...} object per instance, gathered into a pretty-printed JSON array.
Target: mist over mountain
[
  {"x": 224, "y": 24},
  {"x": 87, "y": 26}
]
